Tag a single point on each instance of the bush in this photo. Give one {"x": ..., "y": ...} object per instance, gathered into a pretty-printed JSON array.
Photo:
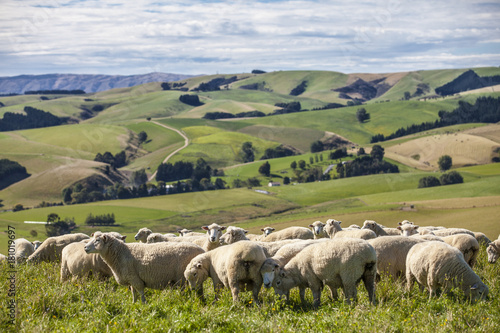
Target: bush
[
  {"x": 452, "y": 177},
  {"x": 445, "y": 162},
  {"x": 192, "y": 100},
  {"x": 429, "y": 181}
]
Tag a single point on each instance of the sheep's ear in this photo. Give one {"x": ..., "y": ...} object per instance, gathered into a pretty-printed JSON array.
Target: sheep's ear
[
  {"x": 223, "y": 228},
  {"x": 400, "y": 223},
  {"x": 104, "y": 237},
  {"x": 246, "y": 231},
  {"x": 415, "y": 227},
  {"x": 205, "y": 227},
  {"x": 310, "y": 225},
  {"x": 339, "y": 222},
  {"x": 179, "y": 230},
  {"x": 198, "y": 265},
  {"x": 399, "y": 227},
  {"x": 272, "y": 229},
  {"x": 92, "y": 234},
  {"x": 123, "y": 238},
  {"x": 474, "y": 286},
  {"x": 276, "y": 266},
  {"x": 282, "y": 274},
  {"x": 262, "y": 229}
]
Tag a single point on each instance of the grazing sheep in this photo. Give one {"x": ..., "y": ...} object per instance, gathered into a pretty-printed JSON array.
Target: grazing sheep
[
  {"x": 273, "y": 264},
  {"x": 339, "y": 263},
  {"x": 408, "y": 229},
  {"x": 230, "y": 266},
  {"x": 467, "y": 244},
  {"x": 391, "y": 254},
  {"x": 22, "y": 248},
  {"x": 481, "y": 238},
  {"x": 36, "y": 244},
  {"x": 452, "y": 231},
  {"x": 334, "y": 230},
  {"x": 318, "y": 230},
  {"x": 289, "y": 233},
  {"x": 493, "y": 251},
  {"x": 52, "y": 247},
  {"x": 142, "y": 235},
  {"x": 379, "y": 230},
  {"x": 186, "y": 232},
  {"x": 437, "y": 264},
  {"x": 144, "y": 265}
]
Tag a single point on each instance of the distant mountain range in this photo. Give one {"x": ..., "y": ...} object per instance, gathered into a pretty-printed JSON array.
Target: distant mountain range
[{"x": 87, "y": 82}]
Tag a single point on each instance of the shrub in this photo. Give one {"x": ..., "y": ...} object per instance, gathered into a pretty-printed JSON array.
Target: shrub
[
  {"x": 429, "y": 181},
  {"x": 452, "y": 177}
]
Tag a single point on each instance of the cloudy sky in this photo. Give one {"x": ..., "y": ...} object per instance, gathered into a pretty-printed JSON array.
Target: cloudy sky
[{"x": 207, "y": 37}]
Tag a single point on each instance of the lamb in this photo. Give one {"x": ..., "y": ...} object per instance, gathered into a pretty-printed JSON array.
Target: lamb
[
  {"x": 142, "y": 235},
  {"x": 22, "y": 248},
  {"x": 391, "y": 254},
  {"x": 272, "y": 264},
  {"x": 318, "y": 230},
  {"x": 467, "y": 244},
  {"x": 230, "y": 266},
  {"x": 379, "y": 230},
  {"x": 144, "y": 265},
  {"x": 452, "y": 231},
  {"x": 437, "y": 264},
  {"x": 77, "y": 263},
  {"x": 52, "y": 247},
  {"x": 334, "y": 230},
  {"x": 493, "y": 251},
  {"x": 339, "y": 263},
  {"x": 289, "y": 233}
]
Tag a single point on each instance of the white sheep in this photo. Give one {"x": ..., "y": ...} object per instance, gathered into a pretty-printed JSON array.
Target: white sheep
[
  {"x": 408, "y": 229},
  {"x": 481, "y": 238},
  {"x": 212, "y": 238},
  {"x": 467, "y": 244},
  {"x": 186, "y": 232},
  {"x": 272, "y": 265},
  {"x": 78, "y": 263},
  {"x": 231, "y": 266},
  {"x": 22, "y": 248},
  {"x": 452, "y": 231},
  {"x": 318, "y": 230},
  {"x": 493, "y": 251},
  {"x": 52, "y": 247},
  {"x": 379, "y": 230},
  {"x": 265, "y": 232},
  {"x": 142, "y": 235},
  {"x": 144, "y": 265},
  {"x": 338, "y": 263},
  {"x": 289, "y": 233},
  {"x": 391, "y": 254},
  {"x": 233, "y": 235},
  {"x": 334, "y": 230},
  {"x": 439, "y": 265}
]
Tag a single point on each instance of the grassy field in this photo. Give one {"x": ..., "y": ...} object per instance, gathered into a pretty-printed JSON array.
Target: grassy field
[{"x": 44, "y": 304}]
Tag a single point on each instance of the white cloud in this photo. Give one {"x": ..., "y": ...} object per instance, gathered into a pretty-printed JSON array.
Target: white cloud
[{"x": 235, "y": 36}]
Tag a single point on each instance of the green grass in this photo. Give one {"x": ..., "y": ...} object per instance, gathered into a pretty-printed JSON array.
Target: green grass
[{"x": 45, "y": 304}]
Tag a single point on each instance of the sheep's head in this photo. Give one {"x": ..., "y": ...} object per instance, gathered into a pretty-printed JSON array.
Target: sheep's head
[
  {"x": 184, "y": 231},
  {"x": 195, "y": 273},
  {"x": 332, "y": 226},
  {"x": 233, "y": 235},
  {"x": 98, "y": 243},
  {"x": 493, "y": 252},
  {"x": 478, "y": 291},
  {"x": 408, "y": 229},
  {"x": 214, "y": 232},
  {"x": 36, "y": 244},
  {"x": 142, "y": 235},
  {"x": 154, "y": 238},
  {"x": 282, "y": 283},
  {"x": 267, "y": 230},
  {"x": 405, "y": 222},
  {"x": 268, "y": 270},
  {"x": 370, "y": 225},
  {"x": 318, "y": 228}
]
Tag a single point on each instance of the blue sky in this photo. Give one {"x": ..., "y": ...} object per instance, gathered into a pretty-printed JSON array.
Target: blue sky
[{"x": 208, "y": 37}]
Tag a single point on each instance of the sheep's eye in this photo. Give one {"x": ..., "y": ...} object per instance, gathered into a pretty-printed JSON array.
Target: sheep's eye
[
  {"x": 195, "y": 274},
  {"x": 278, "y": 283}
]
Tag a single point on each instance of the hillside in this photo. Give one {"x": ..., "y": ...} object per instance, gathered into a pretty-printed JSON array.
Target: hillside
[
  {"x": 111, "y": 120},
  {"x": 88, "y": 83}
]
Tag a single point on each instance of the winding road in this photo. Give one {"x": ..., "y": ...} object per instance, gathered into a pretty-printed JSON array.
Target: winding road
[{"x": 186, "y": 143}]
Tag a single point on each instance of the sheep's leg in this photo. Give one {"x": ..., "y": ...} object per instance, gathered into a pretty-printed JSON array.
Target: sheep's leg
[
  {"x": 235, "y": 290},
  {"x": 369, "y": 282},
  {"x": 333, "y": 291},
  {"x": 350, "y": 291},
  {"x": 255, "y": 291},
  {"x": 410, "y": 280},
  {"x": 316, "y": 291},
  {"x": 134, "y": 299},
  {"x": 302, "y": 293}
]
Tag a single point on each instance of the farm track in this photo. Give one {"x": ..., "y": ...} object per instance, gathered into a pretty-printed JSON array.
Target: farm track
[{"x": 186, "y": 143}]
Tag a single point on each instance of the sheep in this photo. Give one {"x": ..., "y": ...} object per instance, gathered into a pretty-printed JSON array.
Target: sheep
[
  {"x": 337, "y": 263},
  {"x": 334, "y": 230},
  {"x": 272, "y": 264},
  {"x": 52, "y": 247},
  {"x": 353, "y": 226},
  {"x": 437, "y": 264},
  {"x": 22, "y": 248},
  {"x": 467, "y": 244},
  {"x": 428, "y": 237},
  {"x": 230, "y": 266},
  {"x": 408, "y": 229},
  {"x": 289, "y": 233},
  {"x": 452, "y": 231},
  {"x": 318, "y": 230},
  {"x": 265, "y": 232},
  {"x": 3, "y": 258},
  {"x": 142, "y": 235},
  {"x": 493, "y": 251},
  {"x": 144, "y": 265},
  {"x": 482, "y": 238},
  {"x": 391, "y": 254},
  {"x": 77, "y": 263},
  {"x": 212, "y": 239},
  {"x": 379, "y": 230},
  {"x": 233, "y": 235},
  {"x": 186, "y": 232}
]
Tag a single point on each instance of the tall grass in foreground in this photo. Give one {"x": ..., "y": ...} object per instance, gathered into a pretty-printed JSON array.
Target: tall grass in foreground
[{"x": 46, "y": 305}]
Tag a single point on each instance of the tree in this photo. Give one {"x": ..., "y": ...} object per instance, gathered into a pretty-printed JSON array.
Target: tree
[
  {"x": 362, "y": 115},
  {"x": 445, "y": 162},
  {"x": 293, "y": 165},
  {"x": 302, "y": 164},
  {"x": 286, "y": 180},
  {"x": 247, "y": 152},
  {"x": 143, "y": 136},
  {"x": 253, "y": 181},
  {"x": 265, "y": 169},
  {"x": 429, "y": 181},
  {"x": 451, "y": 177},
  {"x": 139, "y": 177},
  {"x": 407, "y": 95},
  {"x": 317, "y": 146},
  {"x": 18, "y": 208},
  {"x": 361, "y": 151},
  {"x": 377, "y": 152}
]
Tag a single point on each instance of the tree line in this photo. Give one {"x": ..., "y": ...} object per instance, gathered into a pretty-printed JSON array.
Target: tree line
[
  {"x": 468, "y": 80},
  {"x": 55, "y": 92},
  {"x": 367, "y": 165},
  {"x": 484, "y": 110},
  {"x": 34, "y": 118},
  {"x": 11, "y": 172}
]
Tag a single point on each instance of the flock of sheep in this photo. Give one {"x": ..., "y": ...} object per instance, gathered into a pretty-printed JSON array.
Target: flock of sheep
[{"x": 323, "y": 254}]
